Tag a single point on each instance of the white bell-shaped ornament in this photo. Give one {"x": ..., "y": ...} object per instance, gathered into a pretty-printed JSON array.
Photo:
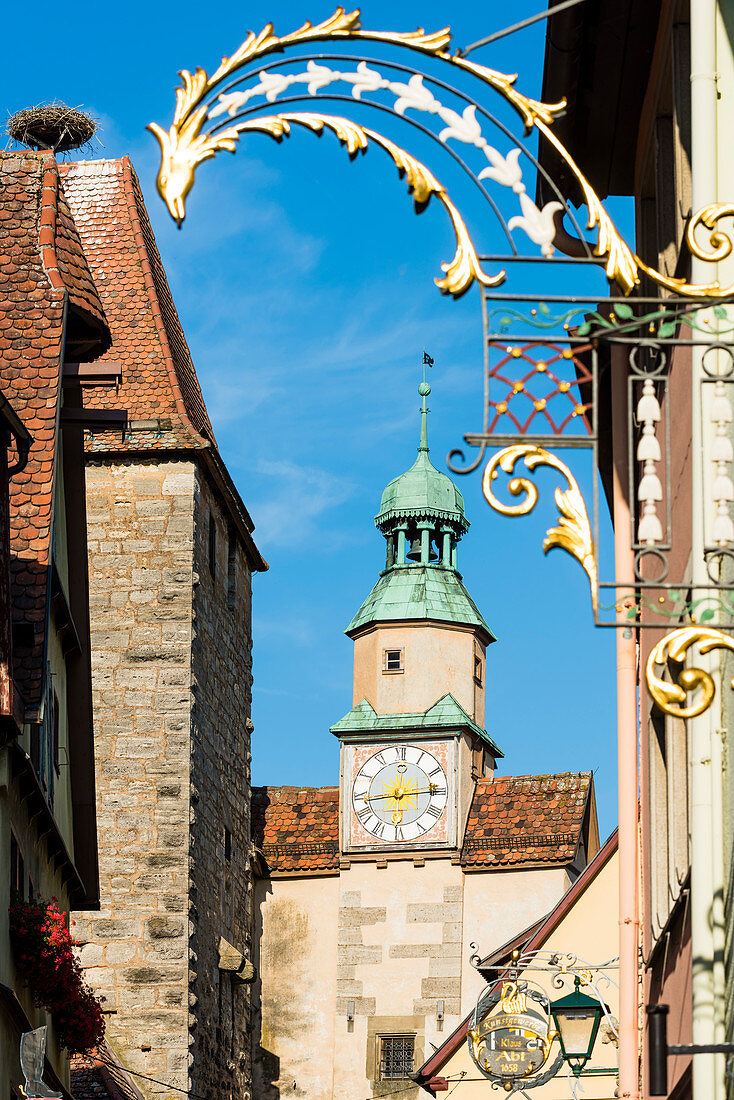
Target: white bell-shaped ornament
[
  {"x": 648, "y": 449},
  {"x": 648, "y": 407},
  {"x": 650, "y": 488},
  {"x": 650, "y": 530},
  {"x": 721, "y": 410},
  {"x": 723, "y": 529},
  {"x": 723, "y": 488},
  {"x": 721, "y": 449}
]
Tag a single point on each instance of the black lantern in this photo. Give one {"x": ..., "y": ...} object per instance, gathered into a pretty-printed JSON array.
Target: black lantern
[{"x": 577, "y": 1018}]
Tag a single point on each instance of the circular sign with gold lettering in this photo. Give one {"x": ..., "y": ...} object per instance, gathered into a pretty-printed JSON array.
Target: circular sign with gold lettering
[{"x": 510, "y": 1038}]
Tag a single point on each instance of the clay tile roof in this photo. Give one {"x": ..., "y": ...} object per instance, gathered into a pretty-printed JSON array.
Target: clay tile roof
[
  {"x": 526, "y": 819},
  {"x": 297, "y": 828},
  {"x": 73, "y": 266},
  {"x": 100, "y": 1076},
  {"x": 41, "y": 264},
  {"x": 158, "y": 377}
]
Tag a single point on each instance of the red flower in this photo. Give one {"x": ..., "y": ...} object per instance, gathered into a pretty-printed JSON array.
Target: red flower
[{"x": 46, "y": 963}]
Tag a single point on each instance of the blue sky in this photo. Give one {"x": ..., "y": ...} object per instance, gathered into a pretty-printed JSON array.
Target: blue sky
[{"x": 305, "y": 287}]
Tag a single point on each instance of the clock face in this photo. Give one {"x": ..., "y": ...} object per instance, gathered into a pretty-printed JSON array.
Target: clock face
[{"x": 400, "y": 794}]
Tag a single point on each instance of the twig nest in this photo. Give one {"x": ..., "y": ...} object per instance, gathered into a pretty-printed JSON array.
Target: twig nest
[{"x": 52, "y": 126}]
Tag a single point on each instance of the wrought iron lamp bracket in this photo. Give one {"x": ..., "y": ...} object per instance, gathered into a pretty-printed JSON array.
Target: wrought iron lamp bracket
[{"x": 511, "y": 990}]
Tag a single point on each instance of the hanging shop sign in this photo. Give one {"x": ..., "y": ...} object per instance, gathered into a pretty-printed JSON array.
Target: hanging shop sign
[{"x": 510, "y": 1036}]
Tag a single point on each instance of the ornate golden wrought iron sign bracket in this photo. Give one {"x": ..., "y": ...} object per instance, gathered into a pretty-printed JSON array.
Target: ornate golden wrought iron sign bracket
[
  {"x": 213, "y": 112},
  {"x": 196, "y": 135}
]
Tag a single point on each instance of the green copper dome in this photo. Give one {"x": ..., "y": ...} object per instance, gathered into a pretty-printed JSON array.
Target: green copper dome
[
  {"x": 422, "y": 492},
  {"x": 422, "y": 519}
]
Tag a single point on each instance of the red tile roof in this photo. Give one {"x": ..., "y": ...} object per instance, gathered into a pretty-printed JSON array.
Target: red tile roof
[
  {"x": 158, "y": 377},
  {"x": 100, "y": 1076},
  {"x": 297, "y": 828},
  {"x": 526, "y": 819},
  {"x": 512, "y": 821},
  {"x": 41, "y": 266}
]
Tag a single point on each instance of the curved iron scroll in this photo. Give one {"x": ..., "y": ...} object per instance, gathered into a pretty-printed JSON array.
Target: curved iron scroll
[{"x": 201, "y": 100}]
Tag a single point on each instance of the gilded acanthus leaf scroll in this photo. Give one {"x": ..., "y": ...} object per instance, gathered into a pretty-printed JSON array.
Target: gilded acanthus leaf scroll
[
  {"x": 573, "y": 533},
  {"x": 187, "y": 144},
  {"x": 671, "y": 695}
]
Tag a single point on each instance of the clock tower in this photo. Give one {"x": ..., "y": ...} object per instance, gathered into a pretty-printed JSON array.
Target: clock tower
[{"x": 414, "y": 743}]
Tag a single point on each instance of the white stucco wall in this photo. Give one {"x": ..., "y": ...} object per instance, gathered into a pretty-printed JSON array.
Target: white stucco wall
[
  {"x": 394, "y": 941},
  {"x": 498, "y": 905},
  {"x": 295, "y": 943}
]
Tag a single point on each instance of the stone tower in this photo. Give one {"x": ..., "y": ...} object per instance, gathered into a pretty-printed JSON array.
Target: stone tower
[
  {"x": 370, "y": 894},
  {"x": 171, "y": 558}
]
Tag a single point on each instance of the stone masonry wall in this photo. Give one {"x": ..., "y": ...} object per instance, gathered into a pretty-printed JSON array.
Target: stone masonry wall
[
  {"x": 220, "y": 904},
  {"x": 141, "y": 528},
  {"x": 172, "y": 676}
]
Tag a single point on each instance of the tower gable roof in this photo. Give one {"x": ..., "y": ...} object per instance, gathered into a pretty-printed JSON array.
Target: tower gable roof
[
  {"x": 414, "y": 592},
  {"x": 159, "y": 381},
  {"x": 445, "y": 714},
  {"x": 43, "y": 269}
]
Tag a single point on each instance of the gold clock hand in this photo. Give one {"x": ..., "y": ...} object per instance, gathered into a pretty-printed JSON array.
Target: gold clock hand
[{"x": 404, "y": 794}]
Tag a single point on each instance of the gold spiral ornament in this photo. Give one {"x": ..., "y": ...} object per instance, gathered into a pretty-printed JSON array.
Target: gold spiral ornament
[
  {"x": 670, "y": 696},
  {"x": 573, "y": 533}
]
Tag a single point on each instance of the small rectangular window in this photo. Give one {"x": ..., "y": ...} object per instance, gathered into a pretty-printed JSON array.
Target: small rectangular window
[
  {"x": 212, "y": 544},
  {"x": 393, "y": 660},
  {"x": 478, "y": 671},
  {"x": 396, "y": 1057}
]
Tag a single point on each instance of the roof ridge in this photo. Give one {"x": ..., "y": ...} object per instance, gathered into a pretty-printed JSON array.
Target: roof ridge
[
  {"x": 136, "y": 209},
  {"x": 48, "y": 211},
  {"x": 537, "y": 778},
  {"x": 289, "y": 787}
]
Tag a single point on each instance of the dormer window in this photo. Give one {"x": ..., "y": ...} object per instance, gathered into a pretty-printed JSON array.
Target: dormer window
[{"x": 392, "y": 660}]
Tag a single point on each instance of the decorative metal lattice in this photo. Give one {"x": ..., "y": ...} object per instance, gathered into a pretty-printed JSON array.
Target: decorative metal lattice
[
  {"x": 547, "y": 372},
  {"x": 396, "y": 1057}
]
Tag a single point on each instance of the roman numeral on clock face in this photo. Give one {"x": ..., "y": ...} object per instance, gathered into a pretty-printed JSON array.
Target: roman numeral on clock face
[{"x": 400, "y": 794}]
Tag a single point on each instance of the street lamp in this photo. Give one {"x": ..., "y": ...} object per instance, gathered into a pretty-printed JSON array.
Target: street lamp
[{"x": 577, "y": 1018}]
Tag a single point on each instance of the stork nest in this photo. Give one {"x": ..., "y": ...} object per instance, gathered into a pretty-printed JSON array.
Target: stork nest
[{"x": 52, "y": 126}]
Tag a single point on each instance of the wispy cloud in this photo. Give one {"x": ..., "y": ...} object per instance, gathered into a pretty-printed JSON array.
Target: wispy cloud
[
  {"x": 298, "y": 630},
  {"x": 287, "y": 515}
]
